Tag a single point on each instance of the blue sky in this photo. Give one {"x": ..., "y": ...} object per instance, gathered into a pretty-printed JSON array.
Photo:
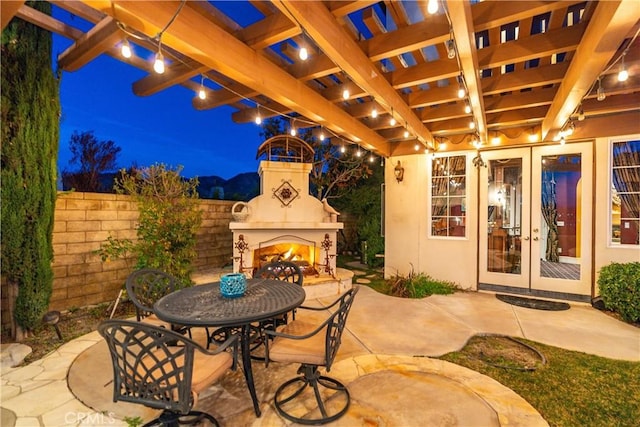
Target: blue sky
[{"x": 162, "y": 128}]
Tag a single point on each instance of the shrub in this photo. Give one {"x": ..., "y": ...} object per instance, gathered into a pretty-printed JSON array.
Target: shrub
[
  {"x": 620, "y": 289},
  {"x": 420, "y": 285},
  {"x": 168, "y": 222}
]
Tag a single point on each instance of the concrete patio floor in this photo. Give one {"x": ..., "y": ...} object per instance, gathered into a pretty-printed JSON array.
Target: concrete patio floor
[{"x": 385, "y": 360}]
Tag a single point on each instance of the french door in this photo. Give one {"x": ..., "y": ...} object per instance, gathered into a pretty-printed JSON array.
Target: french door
[{"x": 535, "y": 221}]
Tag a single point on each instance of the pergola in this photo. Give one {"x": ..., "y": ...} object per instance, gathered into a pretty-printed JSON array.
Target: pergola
[{"x": 528, "y": 69}]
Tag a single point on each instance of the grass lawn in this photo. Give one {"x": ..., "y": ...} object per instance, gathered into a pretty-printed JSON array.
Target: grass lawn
[{"x": 571, "y": 389}]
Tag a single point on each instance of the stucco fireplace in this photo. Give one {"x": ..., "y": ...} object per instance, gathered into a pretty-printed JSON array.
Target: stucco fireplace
[{"x": 285, "y": 221}]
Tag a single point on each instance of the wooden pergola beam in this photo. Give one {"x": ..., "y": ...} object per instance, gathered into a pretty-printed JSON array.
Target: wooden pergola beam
[
  {"x": 103, "y": 36},
  {"x": 333, "y": 40},
  {"x": 196, "y": 37},
  {"x": 463, "y": 32},
  {"x": 608, "y": 27},
  {"x": 8, "y": 10}
]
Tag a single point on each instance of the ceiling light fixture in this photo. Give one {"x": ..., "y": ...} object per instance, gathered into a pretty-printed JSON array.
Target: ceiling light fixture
[
  {"x": 125, "y": 49},
  {"x": 432, "y": 7},
  {"x": 601, "y": 95}
]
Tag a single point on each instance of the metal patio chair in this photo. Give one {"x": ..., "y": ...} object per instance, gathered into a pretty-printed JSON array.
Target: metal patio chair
[
  {"x": 163, "y": 369},
  {"x": 312, "y": 346}
]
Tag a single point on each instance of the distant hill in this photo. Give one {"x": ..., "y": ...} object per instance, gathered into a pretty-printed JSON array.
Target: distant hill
[{"x": 244, "y": 186}]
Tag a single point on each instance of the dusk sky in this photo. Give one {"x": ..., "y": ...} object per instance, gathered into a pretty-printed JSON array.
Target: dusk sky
[{"x": 161, "y": 128}]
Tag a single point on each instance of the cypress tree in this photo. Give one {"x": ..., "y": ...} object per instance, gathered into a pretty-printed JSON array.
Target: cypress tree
[{"x": 30, "y": 134}]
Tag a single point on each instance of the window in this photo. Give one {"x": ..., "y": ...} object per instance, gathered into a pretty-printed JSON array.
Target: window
[
  {"x": 625, "y": 192},
  {"x": 448, "y": 196}
]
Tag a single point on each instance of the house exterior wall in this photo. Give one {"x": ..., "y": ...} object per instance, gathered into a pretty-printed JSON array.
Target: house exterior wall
[
  {"x": 407, "y": 239},
  {"x": 83, "y": 221},
  {"x": 604, "y": 252},
  {"x": 408, "y": 244}
]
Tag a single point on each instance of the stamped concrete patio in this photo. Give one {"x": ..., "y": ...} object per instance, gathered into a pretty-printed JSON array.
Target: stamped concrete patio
[{"x": 385, "y": 359}]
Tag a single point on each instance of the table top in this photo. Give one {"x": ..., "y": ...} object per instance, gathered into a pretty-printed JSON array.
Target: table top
[{"x": 203, "y": 305}]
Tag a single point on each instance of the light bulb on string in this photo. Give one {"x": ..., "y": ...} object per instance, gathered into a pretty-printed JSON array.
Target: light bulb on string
[
  {"x": 303, "y": 53},
  {"x": 406, "y": 133},
  {"x": 416, "y": 147},
  {"x": 472, "y": 124},
  {"x": 432, "y": 7},
  {"x": 293, "y": 131},
  {"x": 125, "y": 49},
  {"x": 600, "y": 93},
  {"x": 371, "y": 158},
  {"x": 374, "y": 112},
  {"x": 343, "y": 149},
  {"x": 462, "y": 91},
  {"x": 158, "y": 63},
  {"x": 201, "y": 92},
  {"x": 321, "y": 135},
  {"x": 467, "y": 107},
  {"x": 623, "y": 74},
  {"x": 258, "y": 118},
  {"x": 359, "y": 152},
  {"x": 345, "y": 94}
]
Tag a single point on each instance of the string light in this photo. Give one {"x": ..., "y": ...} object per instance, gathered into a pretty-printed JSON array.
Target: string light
[
  {"x": 451, "y": 48},
  {"x": 321, "y": 136},
  {"x": 371, "y": 158},
  {"x": 303, "y": 53},
  {"x": 392, "y": 120},
  {"x": 374, "y": 113},
  {"x": 345, "y": 94},
  {"x": 293, "y": 131},
  {"x": 343, "y": 149},
  {"x": 416, "y": 147},
  {"x": 601, "y": 95},
  {"x": 406, "y": 133},
  {"x": 533, "y": 136},
  {"x": 201, "y": 92},
  {"x": 467, "y": 107},
  {"x": 125, "y": 49},
  {"x": 158, "y": 63},
  {"x": 472, "y": 124},
  {"x": 258, "y": 116},
  {"x": 623, "y": 74},
  {"x": 432, "y": 7},
  {"x": 359, "y": 152},
  {"x": 462, "y": 91}
]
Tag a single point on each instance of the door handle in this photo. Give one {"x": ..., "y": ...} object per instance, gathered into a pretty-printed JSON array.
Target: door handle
[
  {"x": 535, "y": 230},
  {"x": 536, "y": 239},
  {"x": 526, "y": 238}
]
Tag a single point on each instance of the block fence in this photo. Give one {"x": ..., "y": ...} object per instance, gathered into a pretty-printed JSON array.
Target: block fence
[{"x": 83, "y": 221}]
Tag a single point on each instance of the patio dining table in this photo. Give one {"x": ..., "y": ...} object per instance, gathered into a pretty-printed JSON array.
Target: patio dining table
[{"x": 204, "y": 306}]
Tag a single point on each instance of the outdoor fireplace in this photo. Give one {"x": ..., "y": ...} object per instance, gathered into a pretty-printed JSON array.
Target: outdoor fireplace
[{"x": 285, "y": 222}]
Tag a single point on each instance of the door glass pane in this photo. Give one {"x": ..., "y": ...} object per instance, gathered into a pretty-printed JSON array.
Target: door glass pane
[
  {"x": 560, "y": 204},
  {"x": 505, "y": 216},
  {"x": 448, "y": 196}
]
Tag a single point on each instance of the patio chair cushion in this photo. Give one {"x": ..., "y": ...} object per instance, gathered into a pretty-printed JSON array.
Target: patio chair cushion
[
  {"x": 309, "y": 350},
  {"x": 206, "y": 368}
]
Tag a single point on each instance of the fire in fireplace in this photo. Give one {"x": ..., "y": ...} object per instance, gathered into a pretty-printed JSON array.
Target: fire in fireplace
[{"x": 305, "y": 255}]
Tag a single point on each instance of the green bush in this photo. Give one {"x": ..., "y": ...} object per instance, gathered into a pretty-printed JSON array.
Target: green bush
[
  {"x": 420, "y": 285},
  {"x": 168, "y": 222},
  {"x": 620, "y": 289}
]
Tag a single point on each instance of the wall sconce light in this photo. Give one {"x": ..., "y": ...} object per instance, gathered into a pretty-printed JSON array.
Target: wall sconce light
[{"x": 398, "y": 171}]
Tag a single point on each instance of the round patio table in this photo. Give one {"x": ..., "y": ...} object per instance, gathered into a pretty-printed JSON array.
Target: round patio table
[{"x": 204, "y": 306}]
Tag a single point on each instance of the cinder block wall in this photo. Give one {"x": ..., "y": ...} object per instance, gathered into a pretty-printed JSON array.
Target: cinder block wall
[{"x": 83, "y": 221}]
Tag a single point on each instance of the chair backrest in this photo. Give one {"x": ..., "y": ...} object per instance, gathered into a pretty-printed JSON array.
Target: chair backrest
[
  {"x": 146, "y": 286},
  {"x": 281, "y": 270},
  {"x": 336, "y": 324},
  {"x": 152, "y": 366}
]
